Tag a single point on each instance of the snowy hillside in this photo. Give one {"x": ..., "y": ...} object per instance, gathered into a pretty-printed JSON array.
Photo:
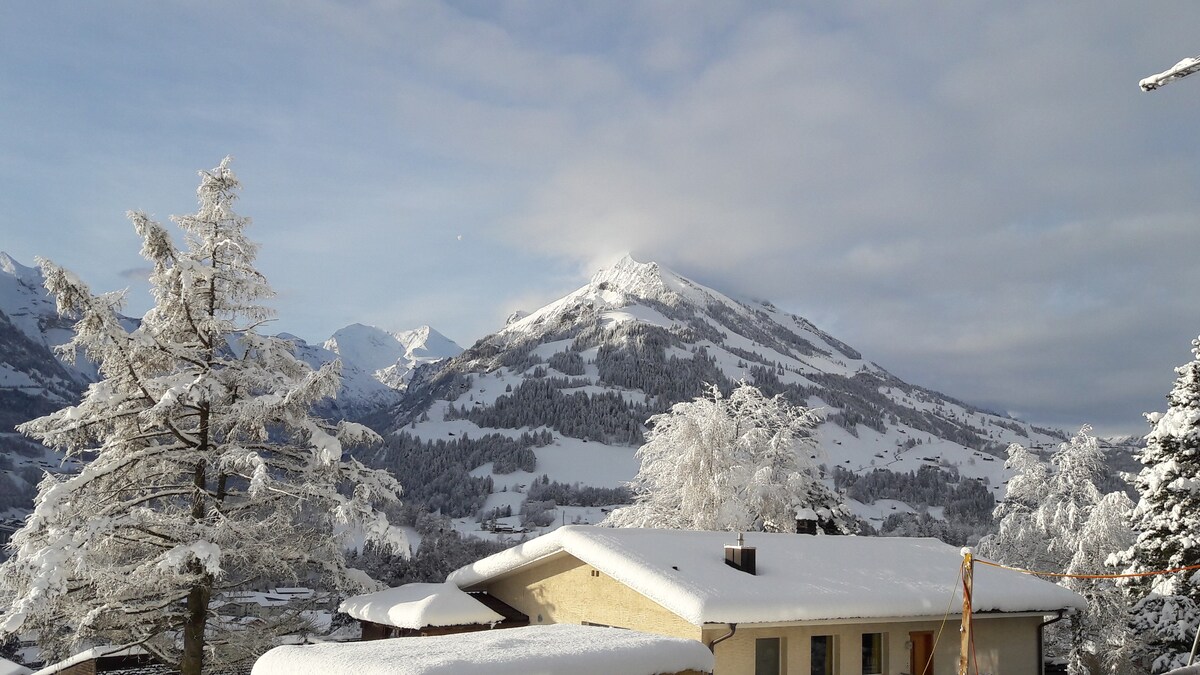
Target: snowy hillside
[{"x": 563, "y": 393}]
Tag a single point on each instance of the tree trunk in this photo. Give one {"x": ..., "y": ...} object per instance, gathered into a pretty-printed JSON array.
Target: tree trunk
[{"x": 192, "y": 661}]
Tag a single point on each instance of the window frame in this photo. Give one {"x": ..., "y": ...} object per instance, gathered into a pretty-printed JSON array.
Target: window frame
[
  {"x": 831, "y": 653},
  {"x": 758, "y": 643},
  {"x": 876, "y": 640}
]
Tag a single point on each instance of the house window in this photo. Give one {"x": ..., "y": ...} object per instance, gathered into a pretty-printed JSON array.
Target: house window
[
  {"x": 766, "y": 656},
  {"x": 873, "y": 658},
  {"x": 821, "y": 655}
]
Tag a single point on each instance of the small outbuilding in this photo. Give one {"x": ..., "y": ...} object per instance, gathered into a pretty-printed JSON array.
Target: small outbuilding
[
  {"x": 414, "y": 610},
  {"x": 565, "y": 649}
]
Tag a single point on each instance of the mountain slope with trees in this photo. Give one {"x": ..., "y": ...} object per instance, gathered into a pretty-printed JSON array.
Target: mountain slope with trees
[{"x": 574, "y": 383}]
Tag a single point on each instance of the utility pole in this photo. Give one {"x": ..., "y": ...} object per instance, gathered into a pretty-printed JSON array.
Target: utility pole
[{"x": 968, "y": 574}]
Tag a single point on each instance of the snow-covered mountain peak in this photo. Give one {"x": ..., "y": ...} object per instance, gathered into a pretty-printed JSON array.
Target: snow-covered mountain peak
[
  {"x": 389, "y": 357},
  {"x": 368, "y": 347},
  {"x": 426, "y": 343},
  {"x": 375, "y": 349},
  {"x": 566, "y": 391},
  {"x": 628, "y": 282},
  {"x": 633, "y": 278},
  {"x": 26, "y": 302},
  {"x": 30, "y": 276}
]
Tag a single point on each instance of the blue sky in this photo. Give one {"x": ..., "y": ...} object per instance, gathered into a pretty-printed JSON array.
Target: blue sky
[{"x": 976, "y": 195}]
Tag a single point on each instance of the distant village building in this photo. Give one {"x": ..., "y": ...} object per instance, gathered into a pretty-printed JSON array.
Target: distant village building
[{"x": 778, "y": 603}]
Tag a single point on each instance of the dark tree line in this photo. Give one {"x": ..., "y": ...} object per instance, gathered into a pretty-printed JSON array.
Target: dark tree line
[
  {"x": 539, "y": 402},
  {"x": 436, "y": 473},
  {"x": 575, "y": 494},
  {"x": 967, "y": 503}
]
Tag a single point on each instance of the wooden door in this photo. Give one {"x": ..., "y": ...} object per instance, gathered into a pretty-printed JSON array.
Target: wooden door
[{"x": 921, "y": 659}]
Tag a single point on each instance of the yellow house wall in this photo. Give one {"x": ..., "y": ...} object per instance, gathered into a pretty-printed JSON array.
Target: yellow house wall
[
  {"x": 1003, "y": 646},
  {"x": 567, "y": 590}
]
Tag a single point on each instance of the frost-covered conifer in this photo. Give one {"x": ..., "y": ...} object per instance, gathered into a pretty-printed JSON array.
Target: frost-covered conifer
[
  {"x": 729, "y": 463},
  {"x": 1054, "y": 519},
  {"x": 203, "y": 470},
  {"x": 1167, "y": 519}
]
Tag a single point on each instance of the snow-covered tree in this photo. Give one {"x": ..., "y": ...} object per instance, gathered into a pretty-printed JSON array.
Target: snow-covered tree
[
  {"x": 1019, "y": 535},
  {"x": 740, "y": 462},
  {"x": 1055, "y": 519},
  {"x": 203, "y": 471},
  {"x": 1167, "y": 519}
]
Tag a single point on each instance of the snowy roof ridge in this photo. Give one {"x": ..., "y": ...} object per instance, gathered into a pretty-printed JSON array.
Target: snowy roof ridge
[
  {"x": 844, "y": 577},
  {"x": 416, "y": 606}
]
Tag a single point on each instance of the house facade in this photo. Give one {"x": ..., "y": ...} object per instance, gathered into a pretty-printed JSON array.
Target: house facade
[{"x": 801, "y": 604}]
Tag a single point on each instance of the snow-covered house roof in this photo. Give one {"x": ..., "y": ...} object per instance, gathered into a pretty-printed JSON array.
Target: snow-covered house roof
[
  {"x": 90, "y": 655},
  {"x": 799, "y": 577},
  {"x": 561, "y": 648},
  {"x": 417, "y": 606}
]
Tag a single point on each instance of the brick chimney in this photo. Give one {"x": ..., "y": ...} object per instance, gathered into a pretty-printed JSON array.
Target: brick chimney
[{"x": 741, "y": 557}]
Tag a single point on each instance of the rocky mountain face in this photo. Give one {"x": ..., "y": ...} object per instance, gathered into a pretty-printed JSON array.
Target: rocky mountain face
[
  {"x": 561, "y": 395},
  {"x": 33, "y": 381}
]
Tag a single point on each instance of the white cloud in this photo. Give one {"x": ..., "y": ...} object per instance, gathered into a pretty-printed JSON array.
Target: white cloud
[{"x": 976, "y": 195}]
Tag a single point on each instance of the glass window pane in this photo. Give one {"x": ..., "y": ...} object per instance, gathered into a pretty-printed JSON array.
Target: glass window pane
[
  {"x": 872, "y": 653},
  {"x": 766, "y": 656},
  {"x": 821, "y": 655}
]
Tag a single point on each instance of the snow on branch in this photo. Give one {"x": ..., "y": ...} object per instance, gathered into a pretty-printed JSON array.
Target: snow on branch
[{"x": 1182, "y": 69}]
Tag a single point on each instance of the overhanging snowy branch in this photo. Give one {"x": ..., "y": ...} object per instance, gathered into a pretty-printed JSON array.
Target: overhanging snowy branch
[{"x": 1182, "y": 69}]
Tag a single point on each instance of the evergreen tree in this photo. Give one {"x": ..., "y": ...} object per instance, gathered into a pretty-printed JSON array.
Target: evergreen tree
[
  {"x": 729, "y": 463},
  {"x": 204, "y": 471},
  {"x": 1167, "y": 518}
]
